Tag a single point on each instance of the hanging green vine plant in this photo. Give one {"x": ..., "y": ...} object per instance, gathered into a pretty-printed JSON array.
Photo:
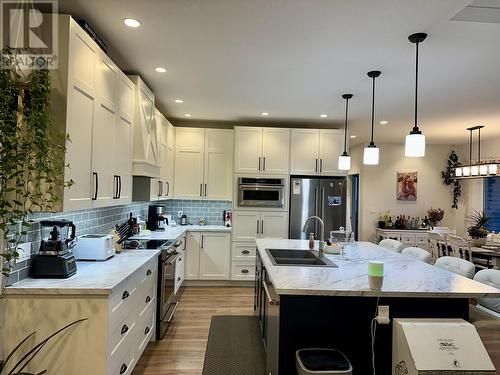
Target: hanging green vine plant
[
  {"x": 448, "y": 177},
  {"x": 31, "y": 153}
]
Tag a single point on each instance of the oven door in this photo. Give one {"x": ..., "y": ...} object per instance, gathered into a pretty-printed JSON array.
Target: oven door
[
  {"x": 260, "y": 195},
  {"x": 168, "y": 304}
]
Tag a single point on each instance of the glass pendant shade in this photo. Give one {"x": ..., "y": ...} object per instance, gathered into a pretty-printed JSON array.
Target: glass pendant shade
[
  {"x": 458, "y": 172},
  {"x": 466, "y": 171},
  {"x": 415, "y": 145},
  {"x": 492, "y": 169},
  {"x": 483, "y": 170},
  {"x": 344, "y": 162},
  {"x": 371, "y": 155}
]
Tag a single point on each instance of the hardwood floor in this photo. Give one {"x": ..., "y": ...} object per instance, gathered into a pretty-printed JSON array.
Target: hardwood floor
[{"x": 183, "y": 350}]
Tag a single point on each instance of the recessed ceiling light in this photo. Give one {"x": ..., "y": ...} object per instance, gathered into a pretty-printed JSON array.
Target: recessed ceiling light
[
  {"x": 187, "y": 114},
  {"x": 160, "y": 69},
  {"x": 353, "y": 136},
  {"x": 384, "y": 122},
  {"x": 179, "y": 101},
  {"x": 265, "y": 113},
  {"x": 323, "y": 115},
  {"x": 132, "y": 22}
]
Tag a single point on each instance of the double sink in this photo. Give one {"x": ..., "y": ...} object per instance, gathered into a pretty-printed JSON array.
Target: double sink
[{"x": 304, "y": 258}]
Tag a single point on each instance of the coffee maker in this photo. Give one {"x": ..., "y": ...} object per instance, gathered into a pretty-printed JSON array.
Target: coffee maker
[
  {"x": 157, "y": 219},
  {"x": 55, "y": 258}
]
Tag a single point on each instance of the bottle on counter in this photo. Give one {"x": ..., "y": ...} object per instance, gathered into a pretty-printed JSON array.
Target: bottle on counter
[{"x": 311, "y": 241}]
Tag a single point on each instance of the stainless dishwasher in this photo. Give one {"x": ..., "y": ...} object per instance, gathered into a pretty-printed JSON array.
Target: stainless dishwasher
[{"x": 271, "y": 326}]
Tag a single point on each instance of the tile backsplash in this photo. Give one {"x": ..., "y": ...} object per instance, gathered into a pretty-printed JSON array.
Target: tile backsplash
[{"x": 102, "y": 220}]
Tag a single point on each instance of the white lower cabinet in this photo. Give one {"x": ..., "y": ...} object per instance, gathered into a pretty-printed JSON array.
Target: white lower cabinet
[
  {"x": 407, "y": 237},
  {"x": 110, "y": 341},
  {"x": 208, "y": 256},
  {"x": 243, "y": 261}
]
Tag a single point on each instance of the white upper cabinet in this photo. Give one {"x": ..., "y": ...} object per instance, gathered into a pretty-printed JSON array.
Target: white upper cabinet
[
  {"x": 315, "y": 151},
  {"x": 189, "y": 148},
  {"x": 261, "y": 150},
  {"x": 203, "y": 163},
  {"x": 146, "y": 142},
  {"x": 218, "y": 168},
  {"x": 168, "y": 159},
  {"x": 92, "y": 102}
]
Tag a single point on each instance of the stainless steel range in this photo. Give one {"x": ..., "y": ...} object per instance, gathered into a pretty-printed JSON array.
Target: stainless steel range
[{"x": 167, "y": 302}]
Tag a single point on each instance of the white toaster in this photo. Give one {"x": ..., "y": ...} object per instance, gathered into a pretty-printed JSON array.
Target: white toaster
[{"x": 94, "y": 247}]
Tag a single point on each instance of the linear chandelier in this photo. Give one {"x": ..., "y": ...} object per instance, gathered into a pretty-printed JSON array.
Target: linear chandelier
[{"x": 479, "y": 168}]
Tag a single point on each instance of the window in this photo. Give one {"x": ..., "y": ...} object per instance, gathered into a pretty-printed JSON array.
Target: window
[{"x": 492, "y": 202}]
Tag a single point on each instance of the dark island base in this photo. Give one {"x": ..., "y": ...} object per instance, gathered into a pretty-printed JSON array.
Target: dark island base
[{"x": 343, "y": 323}]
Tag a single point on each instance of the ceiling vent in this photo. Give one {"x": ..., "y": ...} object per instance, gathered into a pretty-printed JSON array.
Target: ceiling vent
[{"x": 483, "y": 11}]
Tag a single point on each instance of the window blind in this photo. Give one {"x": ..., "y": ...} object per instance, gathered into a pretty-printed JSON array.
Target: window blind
[{"x": 492, "y": 202}]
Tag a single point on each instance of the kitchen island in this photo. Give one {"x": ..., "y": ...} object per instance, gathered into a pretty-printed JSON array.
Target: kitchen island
[{"x": 304, "y": 306}]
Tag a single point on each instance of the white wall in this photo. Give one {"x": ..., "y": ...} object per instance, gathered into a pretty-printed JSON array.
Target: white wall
[{"x": 378, "y": 185}]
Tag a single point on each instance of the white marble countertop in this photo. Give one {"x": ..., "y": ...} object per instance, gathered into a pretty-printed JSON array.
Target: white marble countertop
[
  {"x": 424, "y": 230},
  {"x": 404, "y": 276},
  {"x": 91, "y": 278},
  {"x": 171, "y": 233}
]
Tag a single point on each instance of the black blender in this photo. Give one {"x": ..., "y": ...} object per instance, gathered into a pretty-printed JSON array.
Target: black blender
[{"x": 55, "y": 258}]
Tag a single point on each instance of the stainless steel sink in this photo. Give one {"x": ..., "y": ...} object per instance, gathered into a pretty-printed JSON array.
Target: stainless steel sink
[{"x": 305, "y": 258}]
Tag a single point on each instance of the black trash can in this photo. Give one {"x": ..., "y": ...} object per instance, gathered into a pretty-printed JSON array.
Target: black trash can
[{"x": 322, "y": 361}]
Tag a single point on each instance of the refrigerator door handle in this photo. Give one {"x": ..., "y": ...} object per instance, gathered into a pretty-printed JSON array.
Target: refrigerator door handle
[
  {"x": 316, "y": 210},
  {"x": 322, "y": 216}
]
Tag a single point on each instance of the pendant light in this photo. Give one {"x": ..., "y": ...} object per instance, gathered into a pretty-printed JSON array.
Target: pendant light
[
  {"x": 415, "y": 141},
  {"x": 345, "y": 159},
  {"x": 372, "y": 152}
]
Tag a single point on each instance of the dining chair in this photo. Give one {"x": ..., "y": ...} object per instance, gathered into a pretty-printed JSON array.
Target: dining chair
[
  {"x": 418, "y": 253},
  {"x": 459, "y": 247},
  {"x": 391, "y": 245},
  {"x": 492, "y": 278},
  {"x": 437, "y": 245},
  {"x": 456, "y": 265}
]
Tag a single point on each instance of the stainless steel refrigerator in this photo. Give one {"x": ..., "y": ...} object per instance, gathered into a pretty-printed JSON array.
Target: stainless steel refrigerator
[{"x": 323, "y": 197}]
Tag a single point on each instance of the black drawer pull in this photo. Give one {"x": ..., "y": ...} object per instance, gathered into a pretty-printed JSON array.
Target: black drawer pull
[
  {"x": 123, "y": 368},
  {"x": 148, "y": 298},
  {"x": 244, "y": 271},
  {"x": 125, "y": 295},
  {"x": 246, "y": 252},
  {"x": 148, "y": 272},
  {"x": 146, "y": 331},
  {"x": 180, "y": 260},
  {"x": 124, "y": 329},
  {"x": 178, "y": 279}
]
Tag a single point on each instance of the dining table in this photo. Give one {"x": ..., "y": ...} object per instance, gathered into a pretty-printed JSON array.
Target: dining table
[{"x": 489, "y": 252}]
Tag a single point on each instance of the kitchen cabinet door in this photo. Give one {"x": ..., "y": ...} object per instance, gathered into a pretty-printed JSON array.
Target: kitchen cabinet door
[
  {"x": 275, "y": 151},
  {"x": 218, "y": 169},
  {"x": 192, "y": 257},
  {"x": 274, "y": 225},
  {"x": 331, "y": 145},
  {"x": 79, "y": 120},
  {"x": 215, "y": 256},
  {"x": 246, "y": 225},
  {"x": 189, "y": 149},
  {"x": 123, "y": 141},
  {"x": 304, "y": 146},
  {"x": 248, "y": 149},
  {"x": 170, "y": 161}
]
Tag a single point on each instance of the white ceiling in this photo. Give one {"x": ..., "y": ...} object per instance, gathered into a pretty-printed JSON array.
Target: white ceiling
[{"x": 230, "y": 60}]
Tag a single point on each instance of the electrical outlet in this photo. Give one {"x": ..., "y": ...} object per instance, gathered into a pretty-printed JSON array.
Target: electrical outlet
[
  {"x": 383, "y": 315},
  {"x": 24, "y": 251},
  {"x": 179, "y": 214}
]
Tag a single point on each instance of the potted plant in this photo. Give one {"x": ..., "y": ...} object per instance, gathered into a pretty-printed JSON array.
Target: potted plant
[
  {"x": 477, "y": 229},
  {"x": 435, "y": 215}
]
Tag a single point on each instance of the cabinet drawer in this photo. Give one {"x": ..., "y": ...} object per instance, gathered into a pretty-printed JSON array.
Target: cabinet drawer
[
  {"x": 243, "y": 271},
  {"x": 243, "y": 251},
  {"x": 121, "y": 335},
  {"x": 123, "y": 365},
  {"x": 421, "y": 239},
  {"x": 393, "y": 236},
  {"x": 144, "y": 329},
  {"x": 408, "y": 239}
]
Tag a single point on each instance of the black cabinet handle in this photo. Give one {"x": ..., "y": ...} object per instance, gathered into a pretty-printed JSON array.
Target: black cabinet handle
[
  {"x": 245, "y": 252},
  {"x": 259, "y": 163},
  {"x": 146, "y": 331},
  {"x": 316, "y": 167},
  {"x": 123, "y": 368},
  {"x": 119, "y": 186},
  {"x": 148, "y": 298},
  {"x": 264, "y": 163},
  {"x": 160, "y": 188},
  {"x": 244, "y": 270},
  {"x": 205, "y": 190},
  {"x": 180, "y": 259},
  {"x": 115, "y": 183},
  {"x": 124, "y": 329},
  {"x": 148, "y": 272},
  {"x": 125, "y": 295},
  {"x": 178, "y": 279},
  {"x": 202, "y": 241},
  {"x": 168, "y": 188},
  {"x": 321, "y": 165},
  {"x": 96, "y": 185}
]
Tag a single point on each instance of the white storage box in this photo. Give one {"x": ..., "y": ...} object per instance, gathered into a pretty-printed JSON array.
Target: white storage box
[{"x": 438, "y": 347}]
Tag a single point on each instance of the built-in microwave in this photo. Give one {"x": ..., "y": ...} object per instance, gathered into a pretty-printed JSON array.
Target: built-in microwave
[{"x": 261, "y": 192}]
